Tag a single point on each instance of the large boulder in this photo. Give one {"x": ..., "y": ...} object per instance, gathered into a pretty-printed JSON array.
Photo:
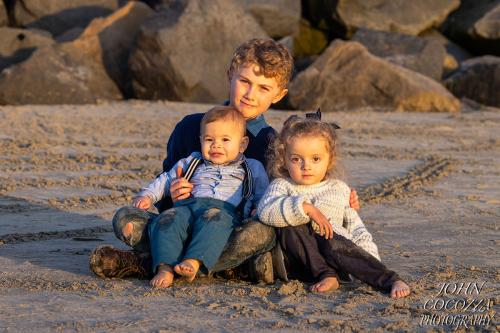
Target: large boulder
[
  {"x": 184, "y": 52},
  {"x": 415, "y": 53},
  {"x": 4, "y": 20},
  {"x": 49, "y": 76},
  {"x": 308, "y": 41},
  {"x": 16, "y": 45},
  {"x": 346, "y": 77},
  {"x": 478, "y": 79},
  {"x": 407, "y": 17},
  {"x": 81, "y": 71},
  {"x": 278, "y": 18},
  {"x": 455, "y": 54},
  {"x": 58, "y": 16},
  {"x": 107, "y": 42},
  {"x": 476, "y": 26}
]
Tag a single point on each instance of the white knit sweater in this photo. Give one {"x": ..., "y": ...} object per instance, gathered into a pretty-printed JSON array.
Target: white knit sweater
[{"x": 281, "y": 206}]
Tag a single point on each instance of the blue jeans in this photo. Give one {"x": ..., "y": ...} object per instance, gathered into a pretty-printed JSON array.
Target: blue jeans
[
  {"x": 247, "y": 240},
  {"x": 195, "y": 228}
]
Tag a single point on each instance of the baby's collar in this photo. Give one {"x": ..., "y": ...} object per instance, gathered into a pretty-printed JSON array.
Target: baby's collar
[{"x": 237, "y": 161}]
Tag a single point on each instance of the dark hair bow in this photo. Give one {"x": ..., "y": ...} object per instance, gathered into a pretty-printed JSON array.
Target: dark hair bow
[{"x": 317, "y": 115}]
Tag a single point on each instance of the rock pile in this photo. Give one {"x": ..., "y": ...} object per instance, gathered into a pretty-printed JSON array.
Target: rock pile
[{"x": 389, "y": 55}]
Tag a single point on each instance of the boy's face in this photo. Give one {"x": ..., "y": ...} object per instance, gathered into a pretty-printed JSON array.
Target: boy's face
[
  {"x": 222, "y": 141},
  {"x": 307, "y": 159},
  {"x": 251, "y": 93}
]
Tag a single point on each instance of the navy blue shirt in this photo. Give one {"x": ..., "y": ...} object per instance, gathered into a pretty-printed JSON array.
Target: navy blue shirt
[{"x": 185, "y": 139}]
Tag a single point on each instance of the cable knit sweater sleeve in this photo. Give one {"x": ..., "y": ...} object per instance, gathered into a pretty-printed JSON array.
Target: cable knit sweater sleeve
[
  {"x": 360, "y": 235},
  {"x": 279, "y": 208}
]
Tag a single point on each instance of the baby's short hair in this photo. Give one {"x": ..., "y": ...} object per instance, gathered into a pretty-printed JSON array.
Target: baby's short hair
[
  {"x": 273, "y": 59},
  {"x": 223, "y": 112}
]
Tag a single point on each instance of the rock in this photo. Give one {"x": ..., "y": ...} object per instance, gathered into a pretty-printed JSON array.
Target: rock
[
  {"x": 107, "y": 42},
  {"x": 278, "y": 18},
  {"x": 17, "y": 45},
  {"x": 346, "y": 76},
  {"x": 62, "y": 81},
  {"x": 476, "y": 26},
  {"x": 69, "y": 35},
  {"x": 58, "y": 16},
  {"x": 415, "y": 53},
  {"x": 407, "y": 17},
  {"x": 309, "y": 41},
  {"x": 4, "y": 20},
  {"x": 81, "y": 71},
  {"x": 454, "y": 53},
  {"x": 184, "y": 52},
  {"x": 477, "y": 79}
]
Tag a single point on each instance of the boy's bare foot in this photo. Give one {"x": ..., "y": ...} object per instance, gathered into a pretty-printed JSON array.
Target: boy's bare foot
[
  {"x": 400, "y": 289},
  {"x": 163, "y": 278},
  {"x": 327, "y": 284},
  {"x": 127, "y": 230},
  {"x": 188, "y": 269}
]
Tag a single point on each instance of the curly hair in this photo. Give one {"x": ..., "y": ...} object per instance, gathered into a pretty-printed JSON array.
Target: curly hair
[
  {"x": 274, "y": 59},
  {"x": 299, "y": 127}
]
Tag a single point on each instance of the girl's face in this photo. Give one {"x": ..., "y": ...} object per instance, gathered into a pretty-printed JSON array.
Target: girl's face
[{"x": 307, "y": 159}]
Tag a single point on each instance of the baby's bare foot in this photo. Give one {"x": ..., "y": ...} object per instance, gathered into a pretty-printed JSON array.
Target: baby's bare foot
[
  {"x": 400, "y": 289},
  {"x": 325, "y": 285},
  {"x": 188, "y": 269},
  {"x": 127, "y": 230},
  {"x": 163, "y": 278}
]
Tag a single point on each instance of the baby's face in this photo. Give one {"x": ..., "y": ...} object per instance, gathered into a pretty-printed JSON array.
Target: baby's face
[
  {"x": 307, "y": 159},
  {"x": 222, "y": 141}
]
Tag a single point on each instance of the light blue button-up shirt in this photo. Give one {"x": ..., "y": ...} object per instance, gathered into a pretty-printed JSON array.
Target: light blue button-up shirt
[{"x": 223, "y": 182}]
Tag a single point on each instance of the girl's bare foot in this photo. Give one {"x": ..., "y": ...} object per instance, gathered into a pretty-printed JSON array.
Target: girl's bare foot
[
  {"x": 400, "y": 289},
  {"x": 127, "y": 229},
  {"x": 327, "y": 284},
  {"x": 188, "y": 269},
  {"x": 163, "y": 278}
]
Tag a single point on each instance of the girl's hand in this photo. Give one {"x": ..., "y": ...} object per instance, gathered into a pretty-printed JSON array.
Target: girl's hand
[
  {"x": 317, "y": 216},
  {"x": 354, "y": 200},
  {"x": 142, "y": 203}
]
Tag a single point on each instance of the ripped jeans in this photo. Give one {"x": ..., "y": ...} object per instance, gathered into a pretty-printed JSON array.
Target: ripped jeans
[{"x": 246, "y": 241}]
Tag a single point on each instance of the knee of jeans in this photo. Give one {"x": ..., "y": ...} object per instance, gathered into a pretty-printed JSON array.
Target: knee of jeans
[
  {"x": 120, "y": 218},
  {"x": 167, "y": 216},
  {"x": 212, "y": 215}
]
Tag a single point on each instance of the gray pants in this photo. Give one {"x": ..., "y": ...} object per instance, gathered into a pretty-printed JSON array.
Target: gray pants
[{"x": 246, "y": 241}]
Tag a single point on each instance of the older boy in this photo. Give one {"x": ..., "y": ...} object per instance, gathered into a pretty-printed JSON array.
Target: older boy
[{"x": 258, "y": 75}]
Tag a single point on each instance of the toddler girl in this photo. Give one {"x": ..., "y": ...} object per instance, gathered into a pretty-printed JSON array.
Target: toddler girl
[{"x": 316, "y": 227}]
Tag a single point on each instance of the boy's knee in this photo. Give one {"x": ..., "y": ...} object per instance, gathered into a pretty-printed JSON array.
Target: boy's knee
[
  {"x": 255, "y": 234},
  {"x": 122, "y": 217}
]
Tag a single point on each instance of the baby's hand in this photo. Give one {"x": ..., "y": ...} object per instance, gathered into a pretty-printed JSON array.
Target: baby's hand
[
  {"x": 180, "y": 188},
  {"x": 317, "y": 216},
  {"x": 142, "y": 202}
]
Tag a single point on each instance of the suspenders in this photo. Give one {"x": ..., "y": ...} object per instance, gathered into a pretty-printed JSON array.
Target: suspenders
[{"x": 247, "y": 181}]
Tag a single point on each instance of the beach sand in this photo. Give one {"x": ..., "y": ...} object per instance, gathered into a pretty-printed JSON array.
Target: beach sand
[{"x": 429, "y": 186}]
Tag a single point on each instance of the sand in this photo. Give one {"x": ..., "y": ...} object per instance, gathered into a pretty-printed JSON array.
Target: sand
[{"x": 430, "y": 191}]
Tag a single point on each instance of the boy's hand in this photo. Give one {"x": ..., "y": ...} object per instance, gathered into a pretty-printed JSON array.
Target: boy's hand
[
  {"x": 180, "y": 189},
  {"x": 354, "y": 200},
  {"x": 317, "y": 216},
  {"x": 142, "y": 203}
]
